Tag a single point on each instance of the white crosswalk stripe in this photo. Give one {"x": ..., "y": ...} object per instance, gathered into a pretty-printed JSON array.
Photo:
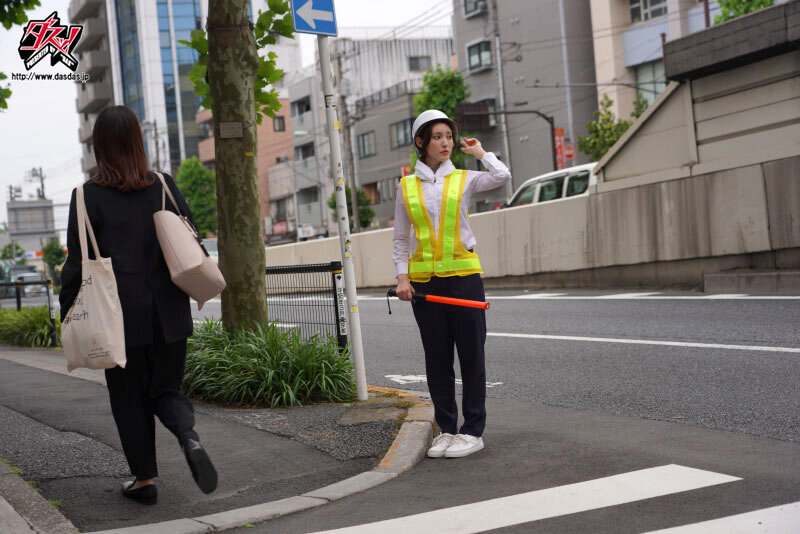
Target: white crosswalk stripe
[
  {"x": 547, "y": 503},
  {"x": 782, "y": 519}
]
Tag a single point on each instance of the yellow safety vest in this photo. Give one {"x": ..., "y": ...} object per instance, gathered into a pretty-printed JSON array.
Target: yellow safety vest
[{"x": 442, "y": 254}]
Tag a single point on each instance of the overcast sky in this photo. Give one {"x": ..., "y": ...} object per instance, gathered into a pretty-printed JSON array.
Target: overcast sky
[{"x": 40, "y": 126}]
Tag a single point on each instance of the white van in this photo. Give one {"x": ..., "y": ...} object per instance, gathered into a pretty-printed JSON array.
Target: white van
[{"x": 569, "y": 182}]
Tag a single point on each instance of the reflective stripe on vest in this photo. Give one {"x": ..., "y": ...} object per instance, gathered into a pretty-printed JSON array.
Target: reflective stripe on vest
[{"x": 442, "y": 255}]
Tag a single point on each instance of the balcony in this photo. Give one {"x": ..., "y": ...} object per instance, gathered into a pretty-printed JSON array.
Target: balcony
[
  {"x": 88, "y": 163},
  {"x": 94, "y": 29},
  {"x": 93, "y": 97},
  {"x": 81, "y": 9},
  {"x": 85, "y": 131},
  {"x": 94, "y": 62},
  {"x": 306, "y": 173}
]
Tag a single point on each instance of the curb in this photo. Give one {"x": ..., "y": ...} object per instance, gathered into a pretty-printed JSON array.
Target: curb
[
  {"x": 406, "y": 451},
  {"x": 23, "y": 510}
]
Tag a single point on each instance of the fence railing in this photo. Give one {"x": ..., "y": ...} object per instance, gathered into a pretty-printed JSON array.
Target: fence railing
[
  {"x": 50, "y": 308},
  {"x": 308, "y": 298}
]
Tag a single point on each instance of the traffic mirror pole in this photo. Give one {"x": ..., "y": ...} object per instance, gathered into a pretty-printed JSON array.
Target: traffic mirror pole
[{"x": 341, "y": 215}]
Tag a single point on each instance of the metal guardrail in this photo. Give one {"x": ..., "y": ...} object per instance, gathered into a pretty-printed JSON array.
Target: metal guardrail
[
  {"x": 308, "y": 298},
  {"x": 18, "y": 291}
]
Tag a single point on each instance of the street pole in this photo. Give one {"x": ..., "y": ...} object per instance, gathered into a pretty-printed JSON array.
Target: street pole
[
  {"x": 348, "y": 147},
  {"x": 502, "y": 91},
  {"x": 341, "y": 215}
]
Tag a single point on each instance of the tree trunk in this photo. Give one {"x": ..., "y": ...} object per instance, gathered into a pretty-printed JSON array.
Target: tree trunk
[{"x": 232, "y": 67}]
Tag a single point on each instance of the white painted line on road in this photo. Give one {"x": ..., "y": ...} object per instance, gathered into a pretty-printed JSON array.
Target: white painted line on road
[
  {"x": 760, "y": 348},
  {"x": 416, "y": 379},
  {"x": 552, "y": 502},
  {"x": 622, "y": 296},
  {"x": 783, "y": 519}
]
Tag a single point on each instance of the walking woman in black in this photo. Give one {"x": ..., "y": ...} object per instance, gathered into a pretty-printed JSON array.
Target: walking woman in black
[
  {"x": 434, "y": 252},
  {"x": 120, "y": 202}
]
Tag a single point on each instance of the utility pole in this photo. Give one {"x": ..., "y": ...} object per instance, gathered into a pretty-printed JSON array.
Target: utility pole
[
  {"x": 38, "y": 175},
  {"x": 341, "y": 216},
  {"x": 502, "y": 92},
  {"x": 348, "y": 146}
]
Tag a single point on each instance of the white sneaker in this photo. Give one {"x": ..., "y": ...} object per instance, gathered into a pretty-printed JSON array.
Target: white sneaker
[
  {"x": 463, "y": 445},
  {"x": 440, "y": 444}
]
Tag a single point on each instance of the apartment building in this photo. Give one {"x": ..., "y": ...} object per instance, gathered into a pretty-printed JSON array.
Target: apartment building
[
  {"x": 375, "y": 61},
  {"x": 548, "y": 66}
]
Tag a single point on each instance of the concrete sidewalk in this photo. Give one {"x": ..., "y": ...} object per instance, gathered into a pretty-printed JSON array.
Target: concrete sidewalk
[{"x": 60, "y": 435}]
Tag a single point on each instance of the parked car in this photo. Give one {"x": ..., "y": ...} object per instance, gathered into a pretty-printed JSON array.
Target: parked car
[
  {"x": 211, "y": 247},
  {"x": 11, "y": 273},
  {"x": 570, "y": 182},
  {"x": 33, "y": 289}
]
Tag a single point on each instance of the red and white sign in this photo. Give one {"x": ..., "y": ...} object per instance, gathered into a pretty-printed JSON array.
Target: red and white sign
[
  {"x": 279, "y": 227},
  {"x": 559, "y": 132},
  {"x": 407, "y": 170},
  {"x": 569, "y": 151}
]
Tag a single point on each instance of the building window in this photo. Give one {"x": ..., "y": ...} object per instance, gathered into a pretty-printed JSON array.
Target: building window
[
  {"x": 473, "y": 7},
  {"x": 479, "y": 56},
  {"x": 372, "y": 192},
  {"x": 419, "y": 63},
  {"x": 647, "y": 9},
  {"x": 650, "y": 80},
  {"x": 308, "y": 195},
  {"x": 278, "y": 124},
  {"x": 387, "y": 189},
  {"x": 366, "y": 145},
  {"x": 400, "y": 133},
  {"x": 301, "y": 106},
  {"x": 303, "y": 151}
]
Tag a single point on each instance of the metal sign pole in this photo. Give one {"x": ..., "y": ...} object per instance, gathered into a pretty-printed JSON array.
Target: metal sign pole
[{"x": 341, "y": 215}]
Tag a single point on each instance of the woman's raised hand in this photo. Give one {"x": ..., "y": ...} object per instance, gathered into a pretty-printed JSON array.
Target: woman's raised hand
[{"x": 471, "y": 146}]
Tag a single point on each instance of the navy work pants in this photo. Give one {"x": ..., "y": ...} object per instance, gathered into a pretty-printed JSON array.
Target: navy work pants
[{"x": 444, "y": 327}]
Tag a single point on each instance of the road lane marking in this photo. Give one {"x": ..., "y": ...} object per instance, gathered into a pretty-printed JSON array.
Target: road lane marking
[
  {"x": 760, "y": 348},
  {"x": 416, "y": 379},
  {"x": 782, "y": 519},
  {"x": 552, "y": 502},
  {"x": 623, "y": 296}
]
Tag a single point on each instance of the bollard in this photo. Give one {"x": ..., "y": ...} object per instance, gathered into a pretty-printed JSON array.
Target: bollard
[{"x": 18, "y": 290}]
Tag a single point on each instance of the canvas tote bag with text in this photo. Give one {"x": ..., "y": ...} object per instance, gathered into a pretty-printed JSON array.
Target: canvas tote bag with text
[{"x": 92, "y": 333}]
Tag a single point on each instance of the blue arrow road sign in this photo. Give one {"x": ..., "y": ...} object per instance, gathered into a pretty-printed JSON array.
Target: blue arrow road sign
[{"x": 314, "y": 16}]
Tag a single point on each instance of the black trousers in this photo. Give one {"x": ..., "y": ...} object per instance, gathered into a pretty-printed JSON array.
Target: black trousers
[
  {"x": 442, "y": 328},
  {"x": 150, "y": 385}
]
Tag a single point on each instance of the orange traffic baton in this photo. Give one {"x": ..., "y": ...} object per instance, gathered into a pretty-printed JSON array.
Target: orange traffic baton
[{"x": 441, "y": 300}]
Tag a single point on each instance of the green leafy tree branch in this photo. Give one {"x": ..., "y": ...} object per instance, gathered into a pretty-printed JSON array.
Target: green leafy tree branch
[
  {"x": 736, "y": 8},
  {"x": 365, "y": 213},
  {"x": 277, "y": 21},
  {"x": 198, "y": 185},
  {"x": 606, "y": 129}
]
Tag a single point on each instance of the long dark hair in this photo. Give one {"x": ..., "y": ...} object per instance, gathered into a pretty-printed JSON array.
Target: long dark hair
[
  {"x": 119, "y": 150},
  {"x": 426, "y": 132}
]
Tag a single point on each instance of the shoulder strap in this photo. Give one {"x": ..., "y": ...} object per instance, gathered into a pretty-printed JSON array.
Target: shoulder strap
[
  {"x": 165, "y": 190},
  {"x": 83, "y": 225}
]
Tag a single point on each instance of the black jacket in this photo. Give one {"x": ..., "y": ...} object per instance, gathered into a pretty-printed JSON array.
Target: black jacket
[{"x": 125, "y": 232}]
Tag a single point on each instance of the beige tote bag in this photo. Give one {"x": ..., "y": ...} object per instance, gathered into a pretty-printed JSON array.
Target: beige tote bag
[
  {"x": 92, "y": 333},
  {"x": 190, "y": 266}
]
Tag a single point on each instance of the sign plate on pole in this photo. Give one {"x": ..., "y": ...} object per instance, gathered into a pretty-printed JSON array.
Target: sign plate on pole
[
  {"x": 560, "y": 147},
  {"x": 314, "y": 16}
]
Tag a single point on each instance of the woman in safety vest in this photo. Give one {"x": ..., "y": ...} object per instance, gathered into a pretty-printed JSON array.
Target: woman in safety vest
[{"x": 438, "y": 258}]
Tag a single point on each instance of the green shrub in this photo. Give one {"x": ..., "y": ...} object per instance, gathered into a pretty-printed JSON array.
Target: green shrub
[
  {"x": 29, "y": 327},
  {"x": 265, "y": 367}
]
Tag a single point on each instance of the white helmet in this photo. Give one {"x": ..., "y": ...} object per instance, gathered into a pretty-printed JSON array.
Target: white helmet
[{"x": 427, "y": 116}]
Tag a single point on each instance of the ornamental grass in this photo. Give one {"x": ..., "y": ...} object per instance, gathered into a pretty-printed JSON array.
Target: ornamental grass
[{"x": 267, "y": 366}]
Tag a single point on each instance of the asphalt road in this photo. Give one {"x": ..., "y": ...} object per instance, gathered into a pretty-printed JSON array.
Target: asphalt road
[{"x": 707, "y": 375}]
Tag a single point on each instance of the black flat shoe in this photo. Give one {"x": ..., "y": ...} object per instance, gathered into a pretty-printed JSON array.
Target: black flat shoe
[
  {"x": 143, "y": 494},
  {"x": 202, "y": 469}
]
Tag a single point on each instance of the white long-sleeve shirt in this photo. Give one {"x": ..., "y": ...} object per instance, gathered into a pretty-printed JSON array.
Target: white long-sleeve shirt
[{"x": 432, "y": 189}]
